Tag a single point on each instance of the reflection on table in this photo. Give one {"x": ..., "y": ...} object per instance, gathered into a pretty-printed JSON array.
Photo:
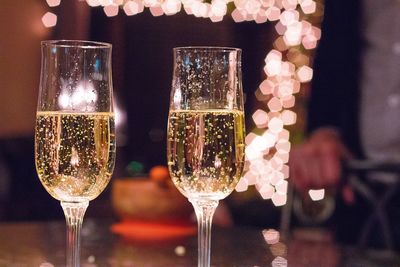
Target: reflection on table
[{"x": 43, "y": 244}]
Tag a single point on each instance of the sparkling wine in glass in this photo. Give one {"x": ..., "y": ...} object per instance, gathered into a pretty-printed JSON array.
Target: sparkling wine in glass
[
  {"x": 205, "y": 142},
  {"x": 75, "y": 131}
]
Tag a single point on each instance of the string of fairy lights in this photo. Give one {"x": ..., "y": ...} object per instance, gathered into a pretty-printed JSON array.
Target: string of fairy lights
[{"x": 287, "y": 71}]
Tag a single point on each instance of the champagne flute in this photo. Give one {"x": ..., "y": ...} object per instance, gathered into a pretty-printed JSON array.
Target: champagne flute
[
  {"x": 75, "y": 132},
  {"x": 205, "y": 143}
]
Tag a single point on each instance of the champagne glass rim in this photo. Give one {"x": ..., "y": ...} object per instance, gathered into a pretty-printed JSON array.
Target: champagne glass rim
[
  {"x": 76, "y": 43},
  {"x": 209, "y": 48}
]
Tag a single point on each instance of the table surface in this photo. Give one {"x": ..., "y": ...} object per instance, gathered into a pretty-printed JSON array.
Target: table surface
[
  {"x": 32, "y": 244},
  {"x": 43, "y": 244}
]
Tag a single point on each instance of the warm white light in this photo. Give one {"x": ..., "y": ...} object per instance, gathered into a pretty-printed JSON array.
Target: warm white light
[
  {"x": 275, "y": 176},
  {"x": 251, "y": 177},
  {"x": 275, "y": 125},
  {"x": 268, "y": 3},
  {"x": 267, "y": 87},
  {"x": 292, "y": 35},
  {"x": 237, "y": 16},
  {"x": 270, "y": 138},
  {"x": 171, "y": 7},
  {"x": 283, "y": 146},
  {"x": 180, "y": 251},
  {"x": 49, "y": 20},
  {"x": 273, "y": 55},
  {"x": 281, "y": 186},
  {"x": 285, "y": 90},
  {"x": 151, "y": 3},
  {"x": 266, "y": 191},
  {"x": 283, "y": 135},
  {"x": 260, "y": 143},
  {"x": 196, "y": 5},
  {"x": 120, "y": 116},
  {"x": 204, "y": 9},
  {"x": 273, "y": 13},
  {"x": 260, "y": 118},
  {"x": 106, "y": 2},
  {"x": 289, "y": 102},
  {"x": 74, "y": 157},
  {"x": 249, "y": 138},
  {"x": 317, "y": 195},
  {"x": 156, "y": 11},
  {"x": 214, "y": 18},
  {"x": 287, "y": 69},
  {"x": 308, "y": 6},
  {"x": 218, "y": 8},
  {"x": 279, "y": 199},
  {"x": 273, "y": 67},
  {"x": 280, "y": 28},
  {"x": 274, "y": 104},
  {"x": 77, "y": 97},
  {"x": 271, "y": 236},
  {"x": 279, "y": 262},
  {"x": 93, "y": 3},
  {"x": 252, "y": 6},
  {"x": 252, "y": 153},
  {"x": 289, "y": 117},
  {"x": 309, "y": 42},
  {"x": 289, "y": 4},
  {"x": 304, "y": 74},
  {"x": 64, "y": 100},
  {"x": 306, "y": 27},
  {"x": 242, "y": 185},
  {"x": 285, "y": 171},
  {"x": 289, "y": 17},
  {"x": 316, "y": 32},
  {"x": 53, "y": 3},
  {"x": 133, "y": 7},
  {"x": 111, "y": 10},
  {"x": 261, "y": 17}
]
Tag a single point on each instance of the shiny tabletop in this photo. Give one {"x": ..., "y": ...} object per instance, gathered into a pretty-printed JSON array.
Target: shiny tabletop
[
  {"x": 27, "y": 244},
  {"x": 43, "y": 244}
]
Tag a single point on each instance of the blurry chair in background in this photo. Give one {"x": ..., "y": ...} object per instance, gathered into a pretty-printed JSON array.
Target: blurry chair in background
[
  {"x": 378, "y": 193},
  {"x": 375, "y": 197}
]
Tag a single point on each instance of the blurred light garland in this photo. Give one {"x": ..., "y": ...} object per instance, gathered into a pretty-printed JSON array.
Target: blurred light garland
[{"x": 287, "y": 69}]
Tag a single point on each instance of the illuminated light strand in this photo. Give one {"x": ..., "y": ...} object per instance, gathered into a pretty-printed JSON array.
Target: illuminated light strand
[
  {"x": 286, "y": 68},
  {"x": 296, "y": 37},
  {"x": 260, "y": 11}
]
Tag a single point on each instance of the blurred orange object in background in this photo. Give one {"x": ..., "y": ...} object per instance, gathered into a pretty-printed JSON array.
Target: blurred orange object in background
[{"x": 151, "y": 208}]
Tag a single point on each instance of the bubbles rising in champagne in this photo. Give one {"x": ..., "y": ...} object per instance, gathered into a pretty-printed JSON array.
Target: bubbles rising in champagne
[
  {"x": 205, "y": 151},
  {"x": 74, "y": 153}
]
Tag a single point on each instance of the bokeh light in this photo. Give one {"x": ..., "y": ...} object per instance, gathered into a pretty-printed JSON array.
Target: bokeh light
[
  {"x": 53, "y": 3},
  {"x": 49, "y": 20}
]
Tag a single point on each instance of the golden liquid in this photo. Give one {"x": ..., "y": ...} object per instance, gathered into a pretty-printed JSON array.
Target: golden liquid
[
  {"x": 205, "y": 151},
  {"x": 74, "y": 153}
]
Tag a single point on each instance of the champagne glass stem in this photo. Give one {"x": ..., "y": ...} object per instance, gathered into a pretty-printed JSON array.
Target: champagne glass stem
[
  {"x": 204, "y": 212},
  {"x": 74, "y": 212}
]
